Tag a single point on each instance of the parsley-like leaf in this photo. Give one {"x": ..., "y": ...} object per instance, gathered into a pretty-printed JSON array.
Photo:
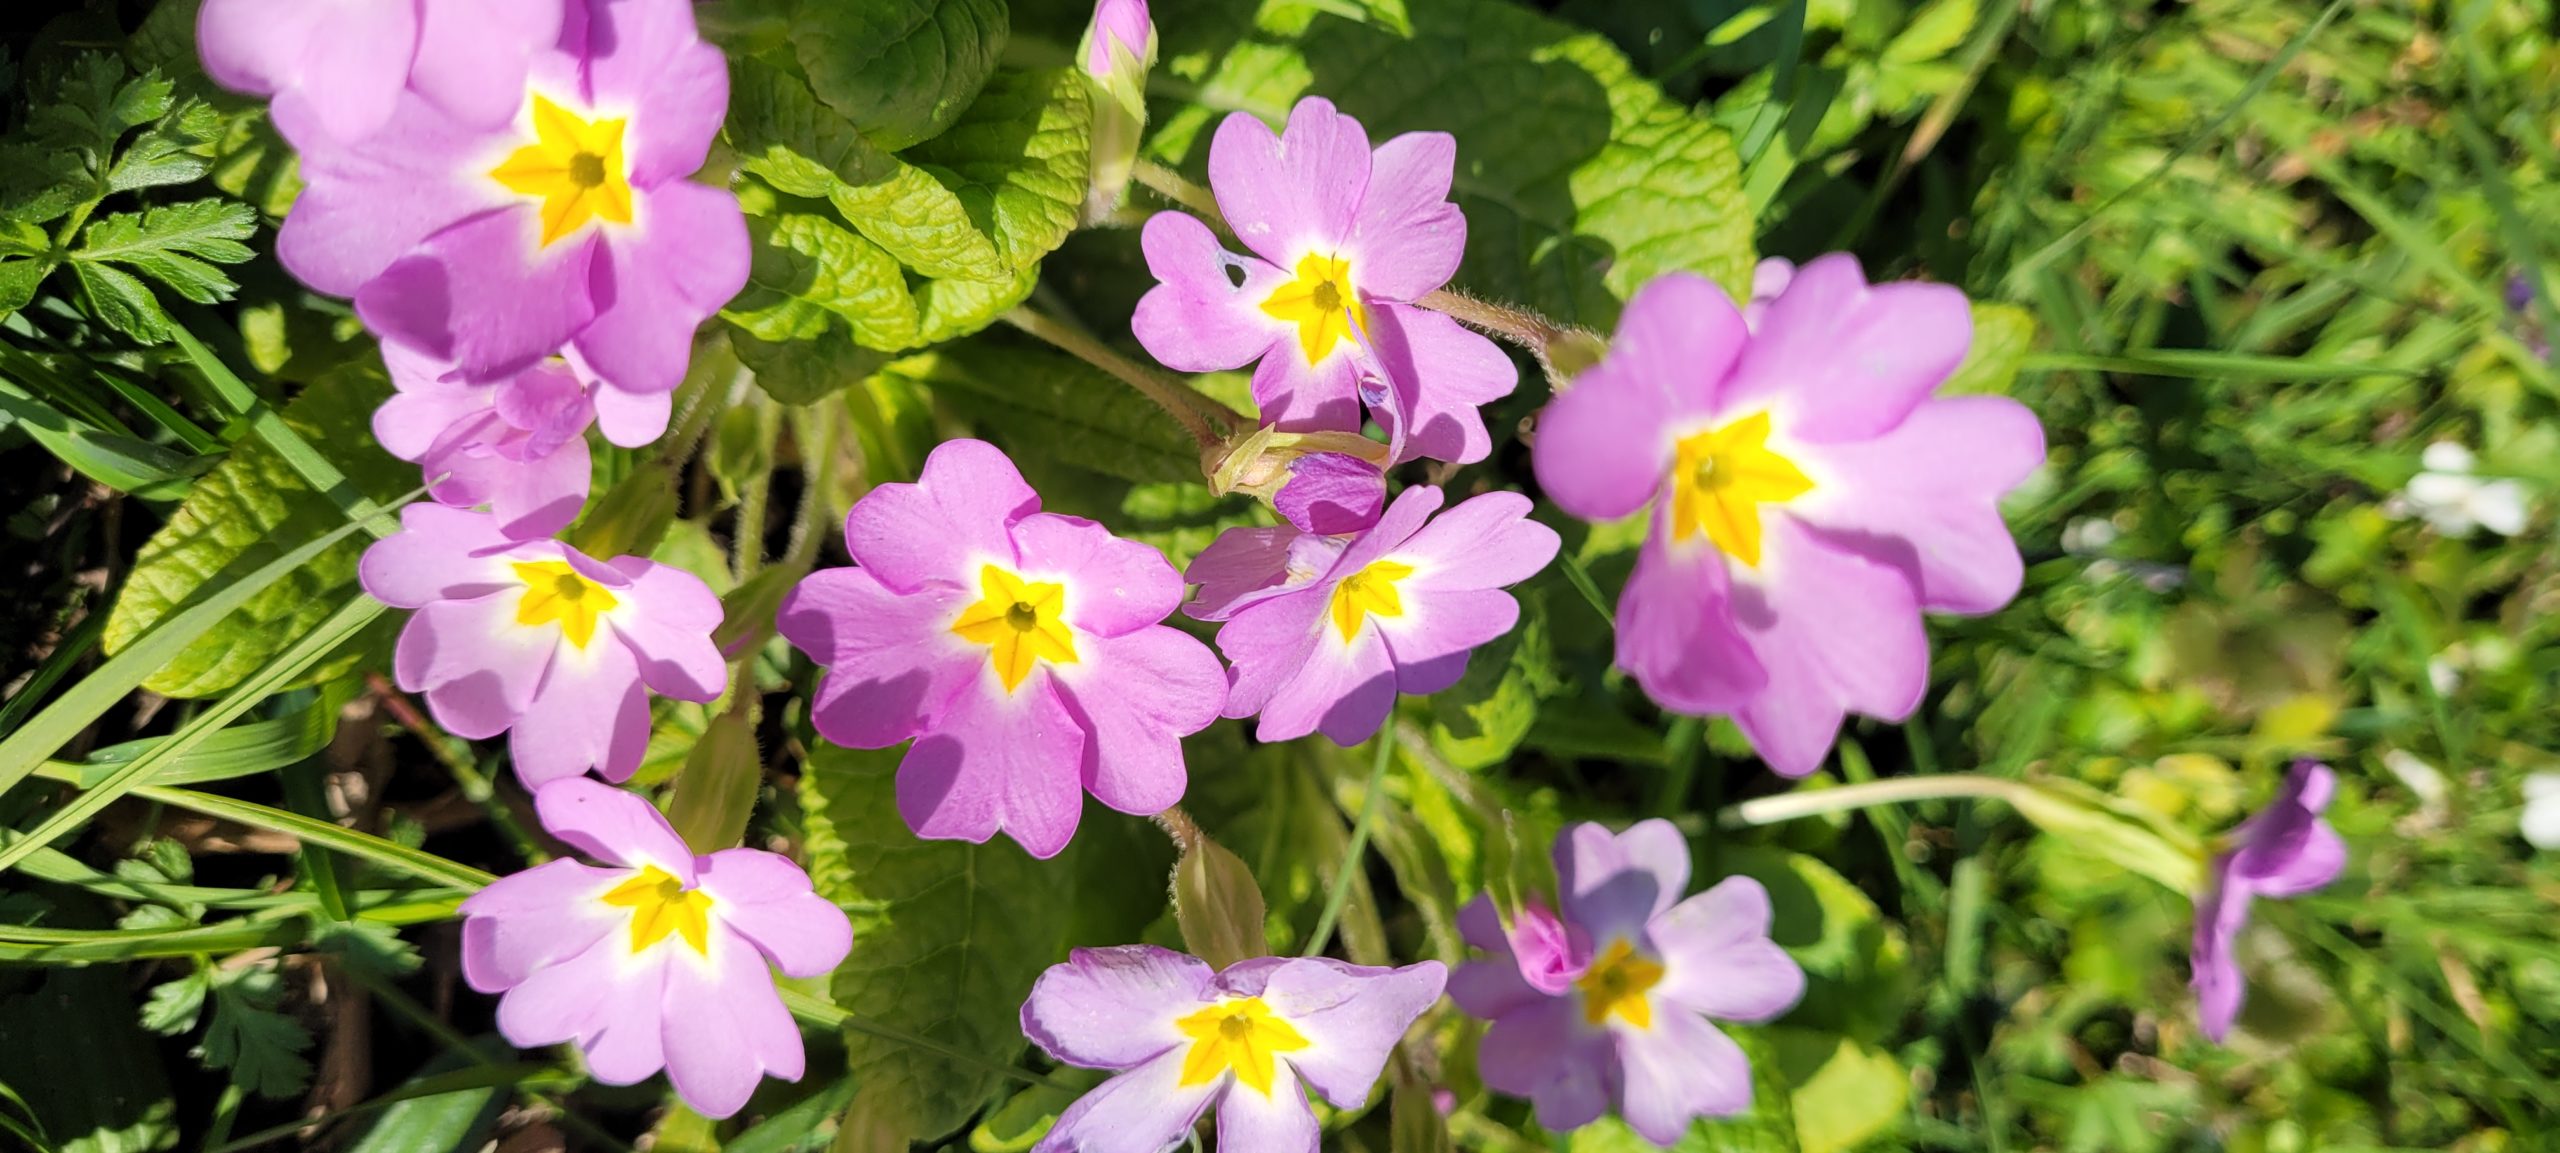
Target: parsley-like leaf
[{"x": 260, "y": 1046}]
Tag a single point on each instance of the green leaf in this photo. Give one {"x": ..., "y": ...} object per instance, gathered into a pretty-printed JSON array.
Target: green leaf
[
  {"x": 1852, "y": 1095},
  {"x": 1856, "y": 963},
  {"x": 1056, "y": 407},
  {"x": 1477, "y": 722},
  {"x": 175, "y": 1005},
  {"x": 260, "y": 1046},
  {"x": 245, "y": 513},
  {"x": 172, "y": 244},
  {"x": 1018, "y": 161},
  {"x": 947, "y": 939},
  {"x": 96, "y": 105},
  {"x": 439, "y": 1119},
  {"x": 951, "y": 308},
  {"x": 900, "y": 70},
  {"x": 169, "y": 152},
  {"x": 802, "y": 371},
  {"x": 2003, "y": 334},
  {"x": 1579, "y": 180},
  {"x": 809, "y": 269},
  {"x": 91, "y": 1077},
  {"x": 122, "y": 302}
]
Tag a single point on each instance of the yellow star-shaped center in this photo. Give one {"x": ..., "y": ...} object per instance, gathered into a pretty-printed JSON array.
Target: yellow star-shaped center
[
  {"x": 662, "y": 907},
  {"x": 1021, "y": 623},
  {"x": 555, "y": 592},
  {"x": 1241, "y": 1035},
  {"x": 1719, "y": 480},
  {"x": 1320, "y": 302},
  {"x": 574, "y": 167},
  {"x": 1367, "y": 593},
  {"x": 1616, "y": 984}
]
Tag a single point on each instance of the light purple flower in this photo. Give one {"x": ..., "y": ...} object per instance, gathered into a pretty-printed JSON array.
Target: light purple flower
[
  {"x": 518, "y": 445},
  {"x": 1344, "y": 241},
  {"x": 659, "y": 959},
  {"x": 1019, "y": 650},
  {"x": 344, "y": 64},
  {"x": 2284, "y": 851},
  {"x": 1810, "y": 496},
  {"x": 534, "y": 639},
  {"x": 571, "y": 226},
  {"x": 1769, "y": 280},
  {"x": 1331, "y": 492},
  {"x": 1249, "y": 1041},
  {"x": 1612, "y": 1005},
  {"x": 1323, "y": 632}
]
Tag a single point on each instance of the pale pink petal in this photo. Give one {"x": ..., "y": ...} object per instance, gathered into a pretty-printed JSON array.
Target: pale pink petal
[
  {"x": 1484, "y": 542},
  {"x": 726, "y": 1027},
  {"x": 1846, "y": 362},
  {"x": 472, "y": 54},
  {"x": 1145, "y": 1110},
  {"x": 1291, "y": 194},
  {"x": 256, "y": 46},
  {"x": 1443, "y": 374},
  {"x": 1281, "y": 1121},
  {"x": 1838, "y": 632},
  {"x": 1720, "y": 959},
  {"x": 1927, "y": 494},
  {"x": 1351, "y": 1016},
  {"x": 477, "y": 666},
  {"x": 366, "y": 205},
  {"x": 613, "y": 826},
  {"x": 1545, "y": 1052},
  {"x": 485, "y": 293},
  {"x": 1114, "y": 586},
  {"x": 354, "y": 69},
  {"x": 1677, "y": 634},
  {"x": 956, "y": 517},
  {"x": 590, "y": 715},
  {"x": 1408, "y": 236},
  {"x": 892, "y": 663},
  {"x": 604, "y": 999},
  {"x": 1343, "y": 690},
  {"x": 631, "y": 419},
  {"x": 1614, "y": 884},
  {"x": 645, "y": 56},
  {"x": 667, "y": 616},
  {"x": 1491, "y": 987},
  {"x": 1296, "y": 396},
  {"x": 654, "y": 283},
  {"x": 525, "y": 922},
  {"x": 1602, "y": 446},
  {"x": 998, "y": 763},
  {"x": 1136, "y": 697},
  {"x": 771, "y": 904},
  {"x": 1114, "y": 1008},
  {"x": 1248, "y": 565},
  {"x": 441, "y": 554},
  {"x": 1267, "y": 643},
  {"x": 1678, "y": 1071},
  {"x": 1205, "y": 312}
]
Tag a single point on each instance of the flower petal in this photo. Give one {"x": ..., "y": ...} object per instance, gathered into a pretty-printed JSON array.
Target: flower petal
[
  {"x": 1290, "y": 194},
  {"x": 1677, "y": 1071},
  {"x": 958, "y": 515},
  {"x": 1838, "y": 632},
  {"x": 1114, "y": 586},
  {"x": 1720, "y": 959},
  {"x": 523, "y": 923},
  {"x": 1135, "y": 697},
  {"x": 1677, "y": 633},
  {"x": 2222, "y": 910},
  {"x": 726, "y": 1027},
  {"x": 365, "y": 205},
  {"x": 1485, "y": 542},
  {"x": 999, "y": 762},
  {"x": 1927, "y": 497},
  {"x": 1409, "y": 236},
  {"x": 1614, "y": 884},
  {"x": 602, "y": 1000},
  {"x": 892, "y": 664},
  {"x": 1444, "y": 374},
  {"x": 771, "y": 904},
  {"x": 613, "y": 826},
  {"x": 589, "y": 715},
  {"x": 1344, "y": 690},
  {"x": 1145, "y": 1110},
  {"x": 472, "y": 54},
  {"x": 1603, "y": 446},
  {"x": 1281, "y": 1121},
  {"x": 1545, "y": 1053},
  {"x": 647, "y": 56},
  {"x": 1245, "y": 566},
  {"x": 485, "y": 293},
  {"x": 1848, "y": 362},
  {"x": 1114, "y": 1008},
  {"x": 1351, "y": 1016},
  {"x": 479, "y": 668},
  {"x": 439, "y": 554},
  {"x": 667, "y": 616},
  {"x": 1492, "y": 987},
  {"x": 655, "y": 283},
  {"x": 1205, "y": 312}
]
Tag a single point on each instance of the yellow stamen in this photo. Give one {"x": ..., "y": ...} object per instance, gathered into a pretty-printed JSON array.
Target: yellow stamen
[
  {"x": 1320, "y": 302},
  {"x": 555, "y": 592},
  {"x": 1369, "y": 592},
  {"x": 1617, "y": 984},
  {"x": 574, "y": 167},
  {"x": 1720, "y": 479},
  {"x": 1022, "y": 623},
  {"x": 660, "y": 906},
  {"x": 1240, "y": 1035}
]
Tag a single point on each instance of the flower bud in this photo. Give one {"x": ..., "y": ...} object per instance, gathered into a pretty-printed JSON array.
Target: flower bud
[
  {"x": 717, "y": 789},
  {"x": 1215, "y": 900},
  {"x": 1322, "y": 482},
  {"x": 1119, "y": 49}
]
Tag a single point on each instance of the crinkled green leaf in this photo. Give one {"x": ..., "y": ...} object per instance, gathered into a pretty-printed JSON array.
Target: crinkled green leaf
[
  {"x": 801, "y": 371},
  {"x": 809, "y": 270},
  {"x": 951, "y": 308},
  {"x": 1580, "y": 181},
  {"x": 247, "y": 512},
  {"x": 1049, "y": 404},
  {"x": 900, "y": 70},
  {"x": 1018, "y": 161},
  {"x": 2003, "y": 334},
  {"x": 947, "y": 939}
]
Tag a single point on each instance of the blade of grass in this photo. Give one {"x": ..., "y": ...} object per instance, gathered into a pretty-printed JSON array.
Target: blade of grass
[
  {"x": 1351, "y": 855},
  {"x": 387, "y": 853},
  {"x": 89, "y": 699},
  {"x": 306, "y": 461}
]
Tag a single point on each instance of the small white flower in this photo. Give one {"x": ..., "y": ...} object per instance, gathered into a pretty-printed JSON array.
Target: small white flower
[
  {"x": 2454, "y": 502},
  {"x": 2541, "y": 823}
]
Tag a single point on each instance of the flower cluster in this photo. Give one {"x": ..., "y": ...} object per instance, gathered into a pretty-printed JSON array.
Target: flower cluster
[{"x": 502, "y": 188}]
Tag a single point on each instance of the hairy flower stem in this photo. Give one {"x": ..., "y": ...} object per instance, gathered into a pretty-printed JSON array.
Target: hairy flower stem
[
  {"x": 1563, "y": 350},
  {"x": 1169, "y": 184},
  {"x": 1898, "y": 790},
  {"x": 1208, "y": 421}
]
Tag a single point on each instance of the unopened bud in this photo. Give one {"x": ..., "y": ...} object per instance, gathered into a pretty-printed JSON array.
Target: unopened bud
[
  {"x": 1119, "y": 49},
  {"x": 631, "y": 517},
  {"x": 1322, "y": 482},
  {"x": 1215, "y": 900},
  {"x": 717, "y": 789}
]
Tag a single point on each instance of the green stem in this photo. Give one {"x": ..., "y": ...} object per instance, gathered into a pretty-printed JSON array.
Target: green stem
[
  {"x": 1804, "y": 803},
  {"x": 1169, "y": 184},
  {"x": 1208, "y": 421},
  {"x": 1351, "y": 855}
]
